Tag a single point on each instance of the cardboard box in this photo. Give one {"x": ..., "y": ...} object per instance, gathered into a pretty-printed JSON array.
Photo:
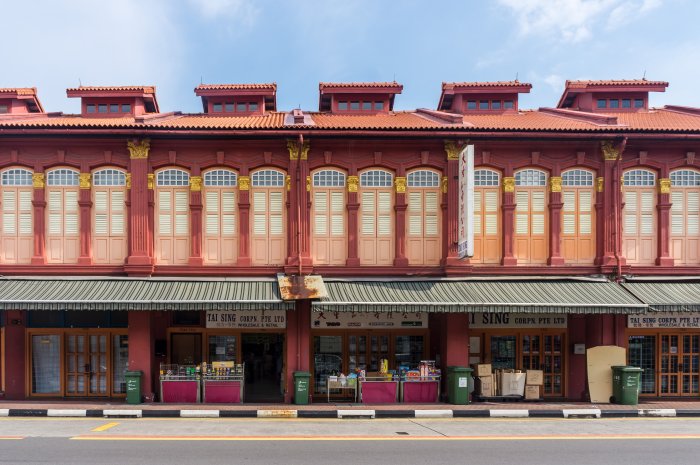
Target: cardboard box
[
  {"x": 512, "y": 384},
  {"x": 486, "y": 386},
  {"x": 483, "y": 369},
  {"x": 532, "y": 392},
  {"x": 535, "y": 377}
]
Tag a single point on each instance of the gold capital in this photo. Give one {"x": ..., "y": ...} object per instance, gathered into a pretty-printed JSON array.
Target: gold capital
[
  {"x": 508, "y": 184},
  {"x": 555, "y": 184},
  {"x": 38, "y": 180},
  {"x": 353, "y": 181},
  {"x": 128, "y": 180},
  {"x": 664, "y": 186},
  {"x": 195, "y": 183},
  {"x": 139, "y": 148},
  {"x": 288, "y": 182},
  {"x": 151, "y": 180},
  {"x": 244, "y": 183},
  {"x": 308, "y": 184},
  {"x": 84, "y": 180},
  {"x": 453, "y": 149},
  {"x": 599, "y": 182},
  {"x": 400, "y": 185},
  {"x": 443, "y": 184},
  {"x": 294, "y": 152},
  {"x": 610, "y": 153}
]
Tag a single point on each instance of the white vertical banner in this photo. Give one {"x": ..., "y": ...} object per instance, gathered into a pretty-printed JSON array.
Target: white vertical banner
[{"x": 465, "y": 241}]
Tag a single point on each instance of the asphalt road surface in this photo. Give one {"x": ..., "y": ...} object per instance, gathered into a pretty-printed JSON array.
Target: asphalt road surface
[{"x": 358, "y": 442}]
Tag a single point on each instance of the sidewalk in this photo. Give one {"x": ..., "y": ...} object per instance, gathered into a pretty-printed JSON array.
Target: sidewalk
[{"x": 63, "y": 408}]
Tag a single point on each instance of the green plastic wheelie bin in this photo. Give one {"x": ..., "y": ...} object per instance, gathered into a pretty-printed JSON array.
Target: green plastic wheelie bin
[{"x": 626, "y": 384}]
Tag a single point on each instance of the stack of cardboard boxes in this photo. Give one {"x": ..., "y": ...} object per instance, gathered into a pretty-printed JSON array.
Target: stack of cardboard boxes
[
  {"x": 508, "y": 382},
  {"x": 486, "y": 386},
  {"x": 533, "y": 388}
]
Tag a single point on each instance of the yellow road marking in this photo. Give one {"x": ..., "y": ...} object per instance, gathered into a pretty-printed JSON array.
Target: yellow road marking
[
  {"x": 105, "y": 427},
  {"x": 10, "y": 438},
  {"x": 388, "y": 438}
]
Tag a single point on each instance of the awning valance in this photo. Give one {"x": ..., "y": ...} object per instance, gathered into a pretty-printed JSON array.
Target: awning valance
[
  {"x": 667, "y": 296},
  {"x": 478, "y": 296},
  {"x": 139, "y": 294}
]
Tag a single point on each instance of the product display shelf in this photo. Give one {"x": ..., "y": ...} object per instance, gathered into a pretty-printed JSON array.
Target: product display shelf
[
  {"x": 379, "y": 389},
  {"x": 350, "y": 386},
  {"x": 179, "y": 383},
  {"x": 223, "y": 383},
  {"x": 420, "y": 389}
]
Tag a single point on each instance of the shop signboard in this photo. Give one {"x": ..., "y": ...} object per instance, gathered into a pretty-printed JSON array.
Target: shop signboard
[
  {"x": 369, "y": 320},
  {"x": 257, "y": 319},
  {"x": 465, "y": 237},
  {"x": 664, "y": 320},
  {"x": 517, "y": 320}
]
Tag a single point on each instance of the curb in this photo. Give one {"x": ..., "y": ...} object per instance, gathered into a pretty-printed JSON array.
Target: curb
[{"x": 350, "y": 413}]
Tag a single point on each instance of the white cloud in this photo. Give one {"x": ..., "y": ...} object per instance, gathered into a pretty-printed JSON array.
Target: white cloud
[
  {"x": 554, "y": 81},
  {"x": 574, "y": 20},
  {"x": 243, "y": 11}
]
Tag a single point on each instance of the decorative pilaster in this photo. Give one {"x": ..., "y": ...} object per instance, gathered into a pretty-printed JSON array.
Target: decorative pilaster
[
  {"x": 85, "y": 205},
  {"x": 140, "y": 260},
  {"x": 555, "y": 207},
  {"x": 400, "y": 206},
  {"x": 196, "y": 222},
  {"x": 599, "y": 215},
  {"x": 610, "y": 194},
  {"x": 244, "y": 222},
  {"x": 299, "y": 230},
  {"x": 353, "y": 206},
  {"x": 39, "y": 206},
  {"x": 663, "y": 206},
  {"x": 508, "y": 209}
]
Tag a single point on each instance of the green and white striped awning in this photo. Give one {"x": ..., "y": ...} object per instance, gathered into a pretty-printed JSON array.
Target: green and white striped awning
[
  {"x": 139, "y": 294},
  {"x": 667, "y": 296},
  {"x": 478, "y": 296}
]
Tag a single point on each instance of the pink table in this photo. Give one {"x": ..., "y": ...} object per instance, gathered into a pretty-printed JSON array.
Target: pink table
[
  {"x": 420, "y": 392},
  {"x": 186, "y": 392},
  {"x": 379, "y": 392},
  {"x": 222, "y": 392}
]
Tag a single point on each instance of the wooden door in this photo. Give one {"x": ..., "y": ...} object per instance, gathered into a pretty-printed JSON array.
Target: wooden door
[
  {"x": 530, "y": 217},
  {"x": 680, "y": 359},
  {"x": 577, "y": 231},
  {"x": 87, "y": 364},
  {"x": 639, "y": 217},
  {"x": 685, "y": 212}
]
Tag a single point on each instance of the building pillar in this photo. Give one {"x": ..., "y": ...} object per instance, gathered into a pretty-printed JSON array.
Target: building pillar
[
  {"x": 39, "y": 205},
  {"x": 85, "y": 205},
  {"x": 140, "y": 256},
  {"x": 244, "y": 215},
  {"x": 353, "y": 206},
  {"x": 555, "y": 206},
  {"x": 196, "y": 258},
  {"x": 577, "y": 368},
  {"x": 16, "y": 370},
  {"x": 611, "y": 183},
  {"x": 508, "y": 222},
  {"x": 663, "y": 207},
  {"x": 298, "y": 188},
  {"x": 142, "y": 350},
  {"x": 400, "y": 206}
]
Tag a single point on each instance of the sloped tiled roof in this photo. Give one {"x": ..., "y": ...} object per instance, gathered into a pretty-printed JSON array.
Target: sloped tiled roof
[
  {"x": 144, "y": 89},
  {"x": 613, "y": 82},
  {"x": 331, "y": 85},
  {"x": 270, "y": 86},
  {"x": 485, "y": 84},
  {"x": 18, "y": 90},
  {"x": 398, "y": 120},
  {"x": 270, "y": 120}
]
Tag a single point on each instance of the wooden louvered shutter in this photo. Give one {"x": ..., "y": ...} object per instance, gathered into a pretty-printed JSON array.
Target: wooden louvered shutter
[
  {"x": 211, "y": 199},
  {"x": 26, "y": 225},
  {"x": 431, "y": 213},
  {"x": 522, "y": 208},
  {"x": 260, "y": 213},
  {"x": 9, "y": 212},
  {"x": 337, "y": 213},
  {"x": 55, "y": 212},
  {"x": 228, "y": 213},
  {"x": 165, "y": 221},
  {"x": 368, "y": 213},
  {"x": 537, "y": 209},
  {"x": 692, "y": 211},
  {"x": 490, "y": 208},
  {"x": 276, "y": 205},
  {"x": 182, "y": 217},
  {"x": 71, "y": 213},
  {"x": 569, "y": 212},
  {"x": 117, "y": 208},
  {"x": 384, "y": 213},
  {"x": 101, "y": 212},
  {"x": 478, "y": 212},
  {"x": 585, "y": 208},
  {"x": 631, "y": 213},
  {"x": 321, "y": 213},
  {"x": 415, "y": 210},
  {"x": 647, "y": 213}
]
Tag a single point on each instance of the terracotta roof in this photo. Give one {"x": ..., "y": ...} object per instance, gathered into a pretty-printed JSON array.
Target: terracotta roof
[
  {"x": 18, "y": 90},
  {"x": 614, "y": 82},
  {"x": 399, "y": 120},
  {"x": 333, "y": 85},
  {"x": 144, "y": 89},
  {"x": 270, "y": 120},
  {"x": 447, "y": 85},
  {"x": 271, "y": 86}
]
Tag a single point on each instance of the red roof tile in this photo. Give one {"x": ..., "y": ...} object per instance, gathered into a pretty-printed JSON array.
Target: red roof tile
[
  {"x": 18, "y": 90},
  {"x": 270, "y": 86},
  {"x": 270, "y": 120},
  {"x": 613, "y": 82},
  {"x": 399, "y": 120},
  {"x": 447, "y": 85},
  {"x": 334, "y": 85},
  {"x": 144, "y": 89}
]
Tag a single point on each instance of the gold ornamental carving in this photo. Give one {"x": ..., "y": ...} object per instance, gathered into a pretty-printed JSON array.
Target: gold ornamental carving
[
  {"x": 244, "y": 183},
  {"x": 453, "y": 149},
  {"x": 151, "y": 180},
  {"x": 84, "y": 180},
  {"x": 509, "y": 184},
  {"x": 308, "y": 184},
  {"x": 353, "y": 181},
  {"x": 400, "y": 185},
  {"x": 610, "y": 153},
  {"x": 295, "y": 153},
  {"x": 664, "y": 186},
  {"x": 38, "y": 180},
  {"x": 139, "y": 148},
  {"x": 128, "y": 180},
  {"x": 555, "y": 184},
  {"x": 196, "y": 183},
  {"x": 443, "y": 184},
  {"x": 599, "y": 183},
  {"x": 288, "y": 182}
]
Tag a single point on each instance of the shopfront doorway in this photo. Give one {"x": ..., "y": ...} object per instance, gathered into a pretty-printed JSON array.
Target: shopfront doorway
[
  {"x": 671, "y": 362},
  {"x": 86, "y": 364},
  {"x": 263, "y": 354}
]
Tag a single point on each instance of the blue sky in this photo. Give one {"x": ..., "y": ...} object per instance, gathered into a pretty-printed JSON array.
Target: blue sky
[{"x": 176, "y": 44}]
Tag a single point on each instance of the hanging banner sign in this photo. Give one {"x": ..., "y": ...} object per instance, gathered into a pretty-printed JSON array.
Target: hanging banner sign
[
  {"x": 369, "y": 320},
  {"x": 517, "y": 320},
  {"x": 664, "y": 320},
  {"x": 465, "y": 236},
  {"x": 258, "y": 319}
]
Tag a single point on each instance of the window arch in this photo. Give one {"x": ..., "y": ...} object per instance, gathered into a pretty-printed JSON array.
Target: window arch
[
  {"x": 487, "y": 231},
  {"x": 639, "y": 215},
  {"x": 220, "y": 215},
  {"x": 329, "y": 245},
  {"x": 577, "y": 218},
  {"x": 63, "y": 231},
  {"x": 376, "y": 235},
  {"x": 17, "y": 218},
  {"x": 531, "y": 216},
  {"x": 173, "y": 217},
  {"x": 685, "y": 217},
  {"x": 423, "y": 225},
  {"x": 268, "y": 231},
  {"x": 109, "y": 213}
]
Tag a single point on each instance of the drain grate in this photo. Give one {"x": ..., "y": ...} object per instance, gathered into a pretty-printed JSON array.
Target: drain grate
[{"x": 402, "y": 433}]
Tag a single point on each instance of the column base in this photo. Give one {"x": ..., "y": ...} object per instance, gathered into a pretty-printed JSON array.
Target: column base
[
  {"x": 38, "y": 261},
  {"x": 555, "y": 261},
  {"x": 84, "y": 261},
  {"x": 665, "y": 261},
  {"x": 139, "y": 270},
  {"x": 509, "y": 261},
  {"x": 352, "y": 262},
  {"x": 244, "y": 261},
  {"x": 608, "y": 260},
  {"x": 195, "y": 261},
  {"x": 401, "y": 261}
]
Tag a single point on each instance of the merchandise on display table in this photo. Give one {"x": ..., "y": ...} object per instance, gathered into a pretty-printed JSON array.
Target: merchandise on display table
[
  {"x": 223, "y": 382},
  {"x": 342, "y": 384},
  {"x": 421, "y": 385},
  {"x": 179, "y": 383}
]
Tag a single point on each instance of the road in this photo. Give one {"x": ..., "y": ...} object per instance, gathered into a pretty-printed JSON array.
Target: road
[{"x": 403, "y": 441}]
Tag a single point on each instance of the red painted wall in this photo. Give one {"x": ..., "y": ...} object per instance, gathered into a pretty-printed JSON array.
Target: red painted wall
[{"x": 14, "y": 355}]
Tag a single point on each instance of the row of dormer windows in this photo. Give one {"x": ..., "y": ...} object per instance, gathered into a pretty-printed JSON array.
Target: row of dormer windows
[
  {"x": 489, "y": 105},
  {"x": 234, "y": 107},
  {"x": 357, "y": 105},
  {"x": 615, "y": 103},
  {"x": 108, "y": 108}
]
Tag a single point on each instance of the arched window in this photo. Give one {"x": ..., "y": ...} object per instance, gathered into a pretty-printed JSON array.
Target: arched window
[
  {"x": 639, "y": 217},
  {"x": 17, "y": 218},
  {"x": 423, "y": 226},
  {"x": 578, "y": 232},
  {"x": 531, "y": 216},
  {"x": 173, "y": 217},
  {"x": 685, "y": 238},
  {"x": 376, "y": 218},
  {"x": 329, "y": 245},
  {"x": 63, "y": 231},
  {"x": 268, "y": 232},
  {"x": 109, "y": 213},
  {"x": 220, "y": 212},
  {"x": 487, "y": 230}
]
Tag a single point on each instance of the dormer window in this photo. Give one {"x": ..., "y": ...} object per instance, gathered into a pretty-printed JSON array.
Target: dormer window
[
  {"x": 638, "y": 103},
  {"x": 357, "y": 97},
  {"x": 4, "y": 109},
  {"x": 116, "y": 101},
  {"x": 467, "y": 97},
  {"x": 238, "y": 99},
  {"x": 625, "y": 95},
  {"x": 112, "y": 108},
  {"x": 489, "y": 105},
  {"x": 234, "y": 107},
  {"x": 508, "y": 105}
]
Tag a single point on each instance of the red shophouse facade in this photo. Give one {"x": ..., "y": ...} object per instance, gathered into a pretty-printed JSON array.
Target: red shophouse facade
[{"x": 598, "y": 188}]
